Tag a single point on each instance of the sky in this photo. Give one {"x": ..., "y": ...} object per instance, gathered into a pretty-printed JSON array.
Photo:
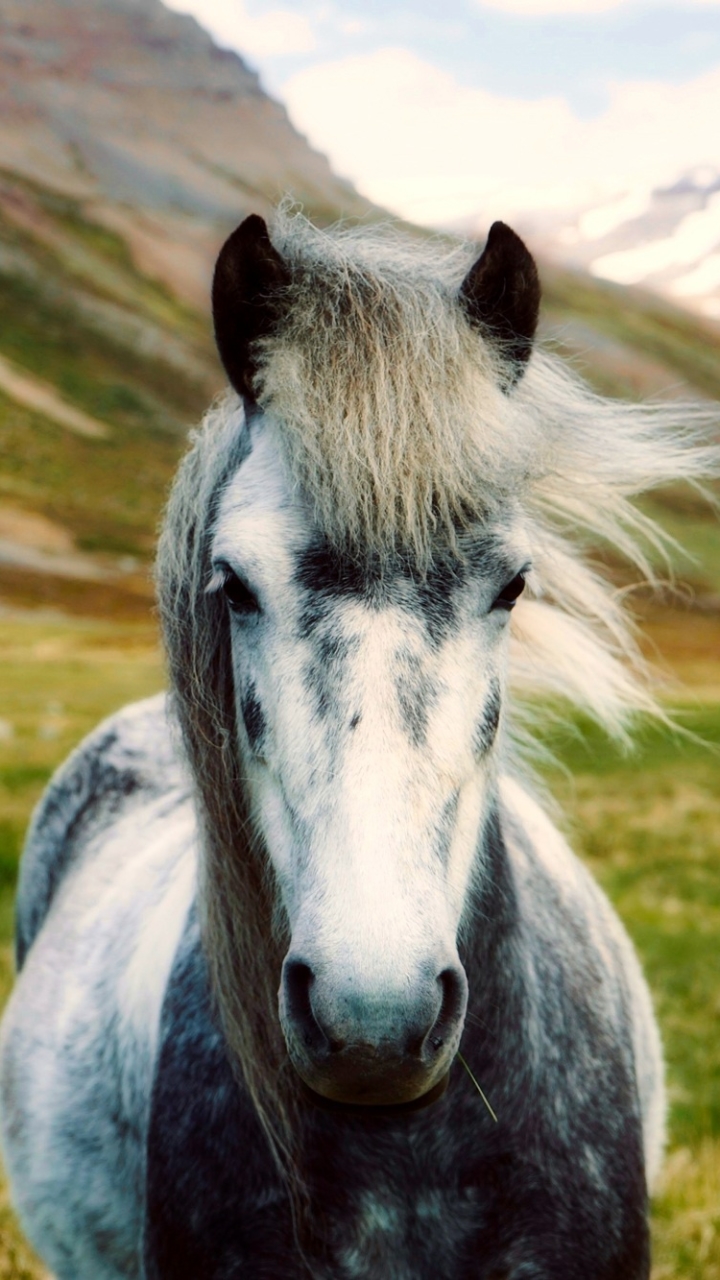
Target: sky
[{"x": 441, "y": 110}]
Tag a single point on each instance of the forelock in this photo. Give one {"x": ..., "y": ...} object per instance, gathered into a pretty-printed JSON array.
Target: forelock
[{"x": 387, "y": 400}]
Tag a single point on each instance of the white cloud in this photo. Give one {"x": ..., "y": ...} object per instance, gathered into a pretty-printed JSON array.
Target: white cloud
[
  {"x": 696, "y": 235},
  {"x": 279, "y": 31},
  {"x": 434, "y": 150},
  {"x": 704, "y": 278},
  {"x": 546, "y": 8},
  {"x": 597, "y": 223}
]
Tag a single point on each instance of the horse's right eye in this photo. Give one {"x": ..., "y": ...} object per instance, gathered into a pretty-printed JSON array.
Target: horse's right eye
[
  {"x": 510, "y": 593},
  {"x": 239, "y": 596}
]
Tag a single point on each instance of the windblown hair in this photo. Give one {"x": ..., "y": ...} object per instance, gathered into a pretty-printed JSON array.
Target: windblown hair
[
  {"x": 379, "y": 383},
  {"x": 390, "y": 409},
  {"x": 237, "y": 900}
]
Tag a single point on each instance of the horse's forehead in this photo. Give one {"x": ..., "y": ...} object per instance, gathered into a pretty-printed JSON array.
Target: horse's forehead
[{"x": 265, "y": 527}]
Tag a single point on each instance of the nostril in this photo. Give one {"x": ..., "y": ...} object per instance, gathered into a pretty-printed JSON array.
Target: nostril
[
  {"x": 298, "y": 979},
  {"x": 453, "y": 989}
]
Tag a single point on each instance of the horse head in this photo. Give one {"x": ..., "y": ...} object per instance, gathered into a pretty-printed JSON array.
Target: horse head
[{"x": 368, "y": 660}]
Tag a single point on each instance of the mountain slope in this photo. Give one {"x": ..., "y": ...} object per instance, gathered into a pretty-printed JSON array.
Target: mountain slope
[
  {"x": 130, "y": 144},
  {"x": 134, "y": 111}
]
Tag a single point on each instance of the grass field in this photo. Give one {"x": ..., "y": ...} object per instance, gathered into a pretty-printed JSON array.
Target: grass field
[{"x": 648, "y": 825}]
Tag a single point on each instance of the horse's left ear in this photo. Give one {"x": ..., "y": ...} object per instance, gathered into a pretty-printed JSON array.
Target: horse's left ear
[
  {"x": 247, "y": 285},
  {"x": 501, "y": 295}
]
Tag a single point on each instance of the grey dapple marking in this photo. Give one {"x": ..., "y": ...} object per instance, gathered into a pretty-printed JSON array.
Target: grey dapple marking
[{"x": 329, "y": 805}]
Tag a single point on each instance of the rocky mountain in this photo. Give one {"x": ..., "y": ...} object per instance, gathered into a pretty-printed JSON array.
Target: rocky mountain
[
  {"x": 666, "y": 239},
  {"x": 132, "y": 111},
  {"x": 129, "y": 145}
]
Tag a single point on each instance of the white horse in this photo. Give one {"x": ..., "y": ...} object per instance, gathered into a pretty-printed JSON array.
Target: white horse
[{"x": 329, "y": 806}]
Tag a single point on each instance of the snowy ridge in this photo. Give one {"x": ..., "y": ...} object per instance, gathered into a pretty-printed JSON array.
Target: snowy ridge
[{"x": 666, "y": 239}]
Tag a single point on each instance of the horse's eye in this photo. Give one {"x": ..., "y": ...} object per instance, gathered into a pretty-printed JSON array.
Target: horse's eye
[
  {"x": 510, "y": 593},
  {"x": 239, "y": 596}
]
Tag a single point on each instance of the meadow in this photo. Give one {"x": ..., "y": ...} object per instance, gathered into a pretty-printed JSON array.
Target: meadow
[{"x": 647, "y": 823}]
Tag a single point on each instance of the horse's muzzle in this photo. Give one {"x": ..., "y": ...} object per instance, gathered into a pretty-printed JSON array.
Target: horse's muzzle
[{"x": 366, "y": 1048}]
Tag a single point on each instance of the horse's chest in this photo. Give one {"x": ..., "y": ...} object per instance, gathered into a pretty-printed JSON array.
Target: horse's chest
[
  {"x": 391, "y": 1236},
  {"x": 215, "y": 1205},
  {"x": 443, "y": 1193}
]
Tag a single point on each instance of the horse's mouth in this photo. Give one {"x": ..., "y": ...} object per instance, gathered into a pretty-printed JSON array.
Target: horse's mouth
[{"x": 376, "y": 1109}]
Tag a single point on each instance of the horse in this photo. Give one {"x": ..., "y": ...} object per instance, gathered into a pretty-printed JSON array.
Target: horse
[{"x": 309, "y": 984}]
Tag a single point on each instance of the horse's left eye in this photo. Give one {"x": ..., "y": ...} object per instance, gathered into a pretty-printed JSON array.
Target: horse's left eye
[
  {"x": 239, "y": 596},
  {"x": 510, "y": 593}
]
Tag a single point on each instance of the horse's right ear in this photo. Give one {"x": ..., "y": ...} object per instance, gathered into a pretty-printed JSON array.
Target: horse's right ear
[
  {"x": 500, "y": 295},
  {"x": 249, "y": 278}
]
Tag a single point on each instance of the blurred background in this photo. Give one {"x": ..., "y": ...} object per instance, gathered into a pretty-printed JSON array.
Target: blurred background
[{"x": 133, "y": 136}]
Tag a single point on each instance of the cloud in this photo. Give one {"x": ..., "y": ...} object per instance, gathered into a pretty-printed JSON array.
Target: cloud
[
  {"x": 696, "y": 235},
  {"x": 277, "y": 32},
  {"x": 549, "y": 8},
  {"x": 543, "y": 8},
  {"x": 434, "y": 150}
]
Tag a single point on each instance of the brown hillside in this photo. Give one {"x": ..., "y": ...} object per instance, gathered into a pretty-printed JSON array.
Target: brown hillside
[{"x": 162, "y": 136}]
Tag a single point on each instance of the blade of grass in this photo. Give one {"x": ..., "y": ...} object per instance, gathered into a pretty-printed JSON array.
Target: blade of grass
[{"x": 477, "y": 1086}]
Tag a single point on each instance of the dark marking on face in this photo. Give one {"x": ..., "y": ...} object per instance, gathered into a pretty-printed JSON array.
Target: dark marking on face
[
  {"x": 320, "y": 684},
  {"x": 416, "y": 694},
  {"x": 253, "y": 718},
  {"x": 325, "y": 673},
  {"x": 446, "y": 827},
  {"x": 487, "y": 726},
  {"x": 356, "y": 720},
  {"x": 333, "y": 649},
  {"x": 327, "y": 574},
  {"x": 327, "y": 571},
  {"x": 435, "y": 599}
]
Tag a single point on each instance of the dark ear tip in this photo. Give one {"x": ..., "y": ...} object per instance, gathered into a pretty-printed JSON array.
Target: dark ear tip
[
  {"x": 501, "y": 294},
  {"x": 502, "y": 237},
  {"x": 247, "y": 287},
  {"x": 501, "y": 229},
  {"x": 253, "y": 228}
]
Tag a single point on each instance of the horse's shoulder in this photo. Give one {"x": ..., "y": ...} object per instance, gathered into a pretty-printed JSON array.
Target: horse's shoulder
[
  {"x": 563, "y": 910},
  {"x": 539, "y": 852},
  {"x": 129, "y": 757},
  {"x": 568, "y": 915}
]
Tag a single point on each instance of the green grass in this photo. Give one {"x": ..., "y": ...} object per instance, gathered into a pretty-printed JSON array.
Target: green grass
[
  {"x": 51, "y": 338},
  {"x": 108, "y": 493},
  {"x": 647, "y": 824}
]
